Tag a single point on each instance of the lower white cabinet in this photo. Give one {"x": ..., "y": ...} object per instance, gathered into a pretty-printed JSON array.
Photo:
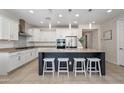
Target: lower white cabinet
[{"x": 11, "y": 61}]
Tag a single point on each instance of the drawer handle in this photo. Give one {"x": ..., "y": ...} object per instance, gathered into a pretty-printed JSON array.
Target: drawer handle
[{"x": 19, "y": 58}]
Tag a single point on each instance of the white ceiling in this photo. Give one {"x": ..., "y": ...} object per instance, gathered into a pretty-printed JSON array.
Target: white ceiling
[{"x": 97, "y": 15}]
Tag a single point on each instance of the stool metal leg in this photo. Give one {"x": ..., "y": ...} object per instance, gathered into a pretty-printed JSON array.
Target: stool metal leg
[
  {"x": 90, "y": 67},
  {"x": 75, "y": 68},
  {"x": 58, "y": 67},
  {"x": 87, "y": 65},
  {"x": 99, "y": 68},
  {"x": 67, "y": 68},
  {"x": 84, "y": 68},
  {"x": 95, "y": 66},
  {"x": 44, "y": 68},
  {"x": 53, "y": 68}
]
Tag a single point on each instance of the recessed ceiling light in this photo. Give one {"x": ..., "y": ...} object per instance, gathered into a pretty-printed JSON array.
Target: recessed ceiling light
[
  {"x": 31, "y": 11},
  {"x": 76, "y": 15},
  {"x": 58, "y": 22},
  {"x": 75, "y": 22},
  {"x": 110, "y": 10},
  {"x": 93, "y": 22},
  {"x": 60, "y": 15},
  {"x": 41, "y": 22}
]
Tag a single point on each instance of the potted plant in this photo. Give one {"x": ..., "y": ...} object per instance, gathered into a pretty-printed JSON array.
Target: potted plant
[{"x": 82, "y": 40}]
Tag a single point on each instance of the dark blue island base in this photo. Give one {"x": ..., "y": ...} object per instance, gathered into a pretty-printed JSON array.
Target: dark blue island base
[{"x": 71, "y": 55}]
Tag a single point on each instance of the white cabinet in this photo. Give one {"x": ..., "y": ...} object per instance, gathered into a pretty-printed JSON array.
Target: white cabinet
[
  {"x": 30, "y": 32},
  {"x": 48, "y": 36},
  {"x": 35, "y": 35},
  {"x": 62, "y": 33},
  {"x": 41, "y": 36},
  {"x": 4, "y": 28},
  {"x": 18, "y": 59},
  {"x": 14, "y": 29},
  {"x": 74, "y": 32},
  {"x": 14, "y": 62},
  {"x": 11, "y": 61},
  {"x": 8, "y": 28}
]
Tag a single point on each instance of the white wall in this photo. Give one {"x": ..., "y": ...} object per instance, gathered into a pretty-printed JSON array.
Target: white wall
[
  {"x": 110, "y": 46},
  {"x": 95, "y": 40}
]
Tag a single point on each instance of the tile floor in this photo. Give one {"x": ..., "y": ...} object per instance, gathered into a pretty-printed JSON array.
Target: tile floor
[{"x": 28, "y": 74}]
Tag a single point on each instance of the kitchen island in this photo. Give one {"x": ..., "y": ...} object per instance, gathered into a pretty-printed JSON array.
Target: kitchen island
[{"x": 70, "y": 53}]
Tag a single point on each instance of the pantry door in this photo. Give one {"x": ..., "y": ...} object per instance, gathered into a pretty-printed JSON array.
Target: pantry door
[{"x": 120, "y": 29}]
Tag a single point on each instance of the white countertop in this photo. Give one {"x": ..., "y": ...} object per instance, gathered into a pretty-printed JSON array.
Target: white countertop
[
  {"x": 68, "y": 50},
  {"x": 41, "y": 49}
]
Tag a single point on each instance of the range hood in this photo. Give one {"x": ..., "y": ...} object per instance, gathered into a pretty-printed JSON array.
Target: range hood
[{"x": 22, "y": 29}]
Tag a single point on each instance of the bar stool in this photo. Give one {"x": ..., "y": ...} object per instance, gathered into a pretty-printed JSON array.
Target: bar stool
[
  {"x": 64, "y": 67},
  {"x": 81, "y": 68},
  {"x": 46, "y": 67},
  {"x": 92, "y": 68}
]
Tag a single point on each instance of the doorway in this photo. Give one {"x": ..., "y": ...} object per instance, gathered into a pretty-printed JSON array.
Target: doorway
[
  {"x": 120, "y": 42},
  {"x": 91, "y": 38}
]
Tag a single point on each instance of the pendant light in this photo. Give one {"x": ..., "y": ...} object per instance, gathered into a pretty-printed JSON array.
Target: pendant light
[
  {"x": 90, "y": 26},
  {"x": 50, "y": 26},
  {"x": 69, "y": 26}
]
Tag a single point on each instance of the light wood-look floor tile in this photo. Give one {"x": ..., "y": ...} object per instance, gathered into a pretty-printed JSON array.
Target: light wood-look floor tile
[{"x": 28, "y": 74}]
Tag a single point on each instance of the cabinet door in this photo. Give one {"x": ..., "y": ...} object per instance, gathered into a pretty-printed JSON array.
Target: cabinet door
[
  {"x": 30, "y": 32},
  {"x": 37, "y": 35},
  {"x": 8, "y": 29},
  {"x": 5, "y": 28},
  {"x": 74, "y": 32},
  {"x": 14, "y": 62},
  {"x": 48, "y": 36},
  {"x": 14, "y": 30}
]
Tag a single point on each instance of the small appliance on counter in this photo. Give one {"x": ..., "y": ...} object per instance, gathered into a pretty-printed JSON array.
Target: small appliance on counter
[{"x": 61, "y": 43}]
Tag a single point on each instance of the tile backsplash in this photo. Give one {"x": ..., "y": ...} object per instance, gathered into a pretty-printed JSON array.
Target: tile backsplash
[{"x": 21, "y": 42}]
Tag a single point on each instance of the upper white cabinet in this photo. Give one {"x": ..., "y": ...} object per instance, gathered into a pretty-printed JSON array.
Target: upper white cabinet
[
  {"x": 62, "y": 33},
  {"x": 14, "y": 29},
  {"x": 4, "y": 28},
  {"x": 35, "y": 35},
  {"x": 8, "y": 28},
  {"x": 48, "y": 36},
  {"x": 38, "y": 35}
]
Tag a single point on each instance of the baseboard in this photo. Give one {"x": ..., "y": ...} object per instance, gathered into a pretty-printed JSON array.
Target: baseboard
[{"x": 111, "y": 62}]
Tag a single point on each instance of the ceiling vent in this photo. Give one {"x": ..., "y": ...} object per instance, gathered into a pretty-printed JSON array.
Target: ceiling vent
[
  {"x": 90, "y": 10},
  {"x": 69, "y": 10},
  {"x": 48, "y": 18},
  {"x": 50, "y": 10}
]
